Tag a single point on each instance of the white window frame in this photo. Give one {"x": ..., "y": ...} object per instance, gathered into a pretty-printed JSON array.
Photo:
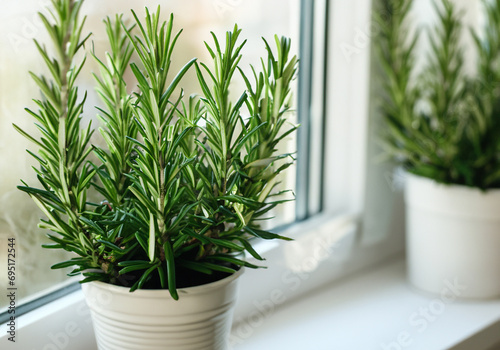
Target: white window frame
[
  {"x": 349, "y": 234},
  {"x": 327, "y": 246}
]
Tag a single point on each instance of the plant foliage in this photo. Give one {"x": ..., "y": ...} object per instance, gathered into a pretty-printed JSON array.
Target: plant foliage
[
  {"x": 184, "y": 180},
  {"x": 442, "y": 122}
]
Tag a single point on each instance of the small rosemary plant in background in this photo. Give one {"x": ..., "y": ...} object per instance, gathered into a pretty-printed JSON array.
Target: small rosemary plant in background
[
  {"x": 184, "y": 180},
  {"x": 442, "y": 122}
]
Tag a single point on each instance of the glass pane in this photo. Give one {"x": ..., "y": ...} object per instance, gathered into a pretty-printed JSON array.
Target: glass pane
[{"x": 19, "y": 23}]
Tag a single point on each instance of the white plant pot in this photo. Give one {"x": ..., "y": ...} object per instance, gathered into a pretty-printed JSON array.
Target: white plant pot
[
  {"x": 151, "y": 320},
  {"x": 453, "y": 239}
]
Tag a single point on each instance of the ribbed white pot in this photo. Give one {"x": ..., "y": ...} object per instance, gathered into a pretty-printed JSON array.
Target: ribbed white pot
[
  {"x": 151, "y": 320},
  {"x": 453, "y": 239}
]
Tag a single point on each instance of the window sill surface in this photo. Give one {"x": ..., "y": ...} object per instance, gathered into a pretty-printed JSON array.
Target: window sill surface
[
  {"x": 372, "y": 309},
  {"x": 375, "y": 309}
]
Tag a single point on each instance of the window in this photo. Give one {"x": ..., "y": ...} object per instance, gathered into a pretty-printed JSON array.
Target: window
[{"x": 18, "y": 215}]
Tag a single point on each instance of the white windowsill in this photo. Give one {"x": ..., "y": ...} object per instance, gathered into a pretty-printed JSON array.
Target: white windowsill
[
  {"x": 369, "y": 310},
  {"x": 364, "y": 311}
]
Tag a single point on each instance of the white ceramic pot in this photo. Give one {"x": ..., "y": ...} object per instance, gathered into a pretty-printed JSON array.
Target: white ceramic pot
[
  {"x": 151, "y": 320},
  {"x": 453, "y": 239}
]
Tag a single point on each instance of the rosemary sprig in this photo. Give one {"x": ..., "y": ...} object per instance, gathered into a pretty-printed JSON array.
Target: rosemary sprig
[{"x": 63, "y": 146}]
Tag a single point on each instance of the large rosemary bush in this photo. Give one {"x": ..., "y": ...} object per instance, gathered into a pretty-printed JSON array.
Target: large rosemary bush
[
  {"x": 184, "y": 180},
  {"x": 442, "y": 122}
]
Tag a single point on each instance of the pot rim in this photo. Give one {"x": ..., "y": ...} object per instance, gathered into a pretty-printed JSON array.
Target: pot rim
[
  {"x": 160, "y": 293},
  {"x": 450, "y": 186},
  {"x": 457, "y": 201}
]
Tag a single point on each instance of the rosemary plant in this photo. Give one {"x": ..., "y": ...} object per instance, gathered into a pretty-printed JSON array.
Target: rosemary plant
[
  {"x": 442, "y": 122},
  {"x": 184, "y": 181}
]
